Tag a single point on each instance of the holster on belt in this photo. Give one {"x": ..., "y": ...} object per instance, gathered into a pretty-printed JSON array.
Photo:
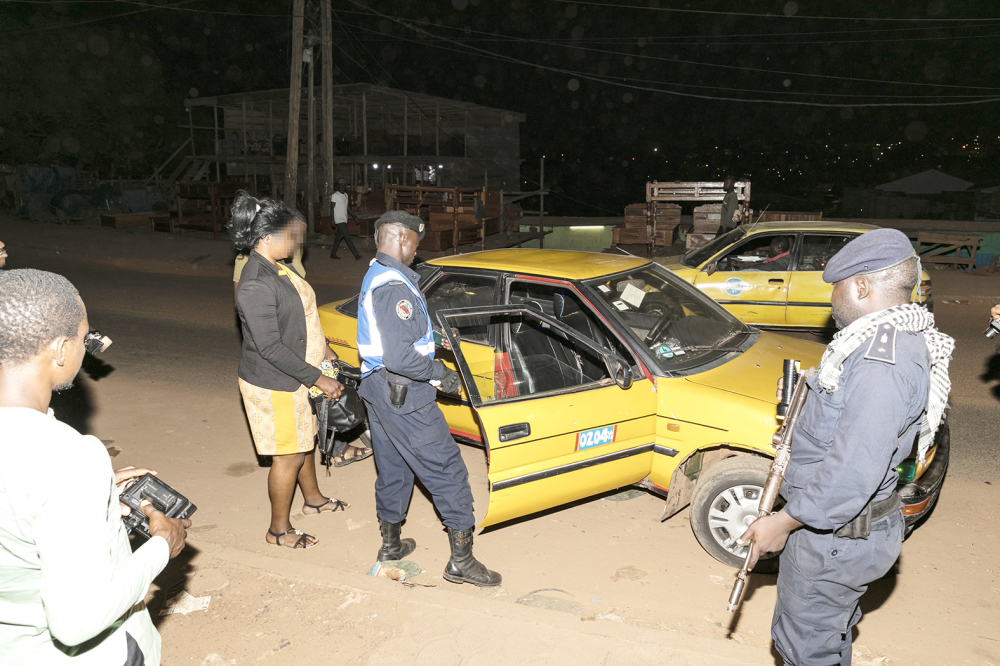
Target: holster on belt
[
  {"x": 398, "y": 386},
  {"x": 861, "y": 526}
]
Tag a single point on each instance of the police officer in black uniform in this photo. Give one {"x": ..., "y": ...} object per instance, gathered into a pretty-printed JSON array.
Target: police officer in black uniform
[
  {"x": 883, "y": 379},
  {"x": 401, "y": 378}
]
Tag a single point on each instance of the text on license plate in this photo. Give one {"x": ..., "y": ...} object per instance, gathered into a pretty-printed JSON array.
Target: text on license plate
[{"x": 588, "y": 439}]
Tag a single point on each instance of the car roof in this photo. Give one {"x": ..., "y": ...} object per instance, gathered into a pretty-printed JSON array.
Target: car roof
[
  {"x": 812, "y": 225},
  {"x": 564, "y": 264}
]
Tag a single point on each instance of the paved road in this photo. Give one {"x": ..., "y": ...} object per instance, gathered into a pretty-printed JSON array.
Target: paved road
[{"x": 170, "y": 401}]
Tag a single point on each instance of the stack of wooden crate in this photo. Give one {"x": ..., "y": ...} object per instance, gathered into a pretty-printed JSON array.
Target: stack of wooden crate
[
  {"x": 707, "y": 218},
  {"x": 666, "y": 216}
]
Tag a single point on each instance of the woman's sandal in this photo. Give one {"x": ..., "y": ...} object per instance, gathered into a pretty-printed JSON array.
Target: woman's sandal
[
  {"x": 338, "y": 505},
  {"x": 340, "y": 461},
  {"x": 302, "y": 543}
]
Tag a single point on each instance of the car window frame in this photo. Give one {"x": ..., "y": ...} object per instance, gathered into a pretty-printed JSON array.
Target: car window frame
[
  {"x": 802, "y": 243},
  {"x": 439, "y": 276},
  {"x": 796, "y": 237}
]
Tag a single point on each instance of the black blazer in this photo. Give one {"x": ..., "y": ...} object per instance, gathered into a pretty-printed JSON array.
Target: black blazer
[{"x": 274, "y": 329}]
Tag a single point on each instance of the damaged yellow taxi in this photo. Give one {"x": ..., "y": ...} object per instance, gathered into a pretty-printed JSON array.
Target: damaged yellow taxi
[{"x": 584, "y": 373}]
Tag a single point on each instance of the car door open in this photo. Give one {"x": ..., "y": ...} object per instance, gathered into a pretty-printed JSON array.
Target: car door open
[{"x": 563, "y": 418}]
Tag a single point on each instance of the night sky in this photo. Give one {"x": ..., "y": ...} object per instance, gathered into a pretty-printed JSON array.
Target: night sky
[{"x": 615, "y": 92}]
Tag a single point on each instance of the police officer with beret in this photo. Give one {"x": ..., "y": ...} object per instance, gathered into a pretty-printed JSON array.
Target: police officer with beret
[
  {"x": 399, "y": 386},
  {"x": 882, "y": 382}
]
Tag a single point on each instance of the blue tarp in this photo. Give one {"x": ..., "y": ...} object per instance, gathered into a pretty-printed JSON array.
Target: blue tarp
[{"x": 38, "y": 185}]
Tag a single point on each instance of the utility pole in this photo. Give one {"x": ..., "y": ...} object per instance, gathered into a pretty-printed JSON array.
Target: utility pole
[
  {"x": 294, "y": 104},
  {"x": 328, "y": 139},
  {"x": 309, "y": 56}
]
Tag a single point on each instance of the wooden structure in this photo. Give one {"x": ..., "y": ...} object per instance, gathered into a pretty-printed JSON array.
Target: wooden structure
[
  {"x": 207, "y": 205},
  {"x": 667, "y": 217},
  {"x": 789, "y": 216},
  {"x": 123, "y": 220},
  {"x": 379, "y": 136},
  {"x": 934, "y": 248},
  {"x": 454, "y": 215},
  {"x": 662, "y": 215}
]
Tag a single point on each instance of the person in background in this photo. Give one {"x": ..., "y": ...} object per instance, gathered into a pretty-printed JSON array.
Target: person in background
[
  {"x": 71, "y": 589},
  {"x": 341, "y": 209},
  {"x": 994, "y": 312},
  {"x": 730, "y": 206},
  {"x": 283, "y": 345}
]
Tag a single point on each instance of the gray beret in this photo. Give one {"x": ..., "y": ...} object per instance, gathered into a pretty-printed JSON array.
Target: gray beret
[
  {"x": 403, "y": 219},
  {"x": 874, "y": 251}
]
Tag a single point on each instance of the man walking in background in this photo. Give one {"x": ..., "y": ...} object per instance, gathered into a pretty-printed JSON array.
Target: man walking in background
[{"x": 341, "y": 209}]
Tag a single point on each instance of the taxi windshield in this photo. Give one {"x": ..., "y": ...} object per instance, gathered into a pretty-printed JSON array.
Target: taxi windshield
[
  {"x": 700, "y": 255},
  {"x": 679, "y": 326}
]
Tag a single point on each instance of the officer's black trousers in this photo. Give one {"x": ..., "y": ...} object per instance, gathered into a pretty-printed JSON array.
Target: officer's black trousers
[
  {"x": 820, "y": 580},
  {"x": 419, "y": 443}
]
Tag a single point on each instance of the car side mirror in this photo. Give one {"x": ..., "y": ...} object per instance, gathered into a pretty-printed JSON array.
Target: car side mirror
[
  {"x": 712, "y": 267},
  {"x": 620, "y": 370}
]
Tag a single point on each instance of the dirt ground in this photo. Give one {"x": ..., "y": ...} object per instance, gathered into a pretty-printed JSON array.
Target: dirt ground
[{"x": 165, "y": 394}]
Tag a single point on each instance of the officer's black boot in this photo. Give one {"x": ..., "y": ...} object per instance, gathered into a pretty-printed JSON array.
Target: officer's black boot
[
  {"x": 393, "y": 548},
  {"x": 463, "y": 567}
]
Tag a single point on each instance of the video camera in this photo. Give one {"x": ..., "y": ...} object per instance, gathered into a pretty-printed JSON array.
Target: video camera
[
  {"x": 993, "y": 330},
  {"x": 95, "y": 343},
  {"x": 163, "y": 497}
]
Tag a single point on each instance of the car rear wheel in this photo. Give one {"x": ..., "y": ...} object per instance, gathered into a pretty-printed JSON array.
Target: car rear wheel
[{"x": 725, "y": 502}]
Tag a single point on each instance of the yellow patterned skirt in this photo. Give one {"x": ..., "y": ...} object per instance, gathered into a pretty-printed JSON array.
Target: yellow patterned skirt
[{"x": 281, "y": 422}]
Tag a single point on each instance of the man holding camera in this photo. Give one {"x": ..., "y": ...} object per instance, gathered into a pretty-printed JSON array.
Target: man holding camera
[
  {"x": 71, "y": 589},
  {"x": 882, "y": 382}
]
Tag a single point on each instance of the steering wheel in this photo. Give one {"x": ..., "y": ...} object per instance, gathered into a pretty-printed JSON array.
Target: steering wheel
[{"x": 658, "y": 327}]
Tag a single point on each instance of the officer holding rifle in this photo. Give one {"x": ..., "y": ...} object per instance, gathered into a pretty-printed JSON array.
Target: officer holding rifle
[{"x": 882, "y": 384}]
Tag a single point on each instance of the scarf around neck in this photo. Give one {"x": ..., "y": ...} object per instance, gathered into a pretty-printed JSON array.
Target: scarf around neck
[{"x": 911, "y": 318}]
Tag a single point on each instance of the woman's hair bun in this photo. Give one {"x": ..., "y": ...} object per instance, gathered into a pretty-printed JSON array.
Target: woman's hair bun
[{"x": 251, "y": 219}]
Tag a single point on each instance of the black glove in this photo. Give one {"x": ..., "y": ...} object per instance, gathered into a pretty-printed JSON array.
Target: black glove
[{"x": 450, "y": 381}]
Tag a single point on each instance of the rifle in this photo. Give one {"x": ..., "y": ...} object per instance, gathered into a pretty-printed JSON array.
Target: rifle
[{"x": 782, "y": 440}]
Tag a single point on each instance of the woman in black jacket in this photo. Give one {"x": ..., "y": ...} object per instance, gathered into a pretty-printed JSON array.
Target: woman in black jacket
[{"x": 283, "y": 343}]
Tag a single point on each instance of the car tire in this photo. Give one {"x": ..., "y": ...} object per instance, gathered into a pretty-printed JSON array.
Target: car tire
[{"x": 718, "y": 519}]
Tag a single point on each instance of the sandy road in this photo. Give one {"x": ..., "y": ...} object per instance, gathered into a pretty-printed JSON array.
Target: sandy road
[{"x": 170, "y": 401}]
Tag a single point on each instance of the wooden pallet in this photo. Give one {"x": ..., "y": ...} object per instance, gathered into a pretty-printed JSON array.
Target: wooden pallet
[
  {"x": 947, "y": 249},
  {"x": 619, "y": 236}
]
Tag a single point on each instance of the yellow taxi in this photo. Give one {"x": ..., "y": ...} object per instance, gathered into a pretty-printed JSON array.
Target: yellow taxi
[
  {"x": 584, "y": 373},
  {"x": 770, "y": 274}
]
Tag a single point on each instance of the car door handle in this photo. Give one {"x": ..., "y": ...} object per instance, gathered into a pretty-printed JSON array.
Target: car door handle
[
  {"x": 509, "y": 433},
  {"x": 776, "y": 281}
]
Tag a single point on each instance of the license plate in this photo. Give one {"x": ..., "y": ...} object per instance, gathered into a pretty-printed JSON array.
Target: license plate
[{"x": 589, "y": 439}]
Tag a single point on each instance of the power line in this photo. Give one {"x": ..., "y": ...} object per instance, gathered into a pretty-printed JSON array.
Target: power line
[
  {"x": 611, "y": 79},
  {"x": 73, "y": 24},
  {"x": 591, "y": 77},
  {"x": 716, "y": 65},
  {"x": 768, "y": 16}
]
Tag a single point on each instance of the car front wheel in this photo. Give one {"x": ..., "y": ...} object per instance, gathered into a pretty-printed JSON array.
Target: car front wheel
[{"x": 725, "y": 502}]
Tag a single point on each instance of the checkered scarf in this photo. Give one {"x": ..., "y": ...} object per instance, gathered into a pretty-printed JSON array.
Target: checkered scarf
[{"x": 910, "y": 318}]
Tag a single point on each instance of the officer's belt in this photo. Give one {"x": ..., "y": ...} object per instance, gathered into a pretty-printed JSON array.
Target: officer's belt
[{"x": 861, "y": 526}]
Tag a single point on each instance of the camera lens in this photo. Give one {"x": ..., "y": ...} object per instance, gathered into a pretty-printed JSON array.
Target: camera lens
[{"x": 993, "y": 330}]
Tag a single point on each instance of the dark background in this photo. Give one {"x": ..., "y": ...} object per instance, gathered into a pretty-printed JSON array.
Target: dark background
[{"x": 99, "y": 85}]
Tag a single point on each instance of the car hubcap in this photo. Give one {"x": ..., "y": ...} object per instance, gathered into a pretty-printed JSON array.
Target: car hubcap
[{"x": 730, "y": 513}]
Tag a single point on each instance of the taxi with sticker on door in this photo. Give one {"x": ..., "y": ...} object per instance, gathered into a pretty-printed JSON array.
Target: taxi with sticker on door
[
  {"x": 770, "y": 274},
  {"x": 584, "y": 373}
]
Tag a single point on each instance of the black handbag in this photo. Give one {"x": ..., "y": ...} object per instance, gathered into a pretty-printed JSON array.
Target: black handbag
[{"x": 341, "y": 415}]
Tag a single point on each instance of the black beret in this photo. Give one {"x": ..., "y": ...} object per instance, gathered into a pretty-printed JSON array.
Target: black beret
[
  {"x": 403, "y": 219},
  {"x": 874, "y": 251}
]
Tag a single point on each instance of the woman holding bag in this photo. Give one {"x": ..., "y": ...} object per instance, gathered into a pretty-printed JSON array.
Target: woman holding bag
[{"x": 283, "y": 343}]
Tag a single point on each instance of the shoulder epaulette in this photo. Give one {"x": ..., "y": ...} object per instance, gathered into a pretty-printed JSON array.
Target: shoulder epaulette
[{"x": 883, "y": 345}]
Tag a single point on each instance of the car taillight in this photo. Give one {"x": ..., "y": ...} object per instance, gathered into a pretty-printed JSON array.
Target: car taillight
[
  {"x": 907, "y": 471},
  {"x": 925, "y": 290}
]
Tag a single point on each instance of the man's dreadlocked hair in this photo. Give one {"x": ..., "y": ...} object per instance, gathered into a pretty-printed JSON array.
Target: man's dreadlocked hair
[{"x": 36, "y": 307}]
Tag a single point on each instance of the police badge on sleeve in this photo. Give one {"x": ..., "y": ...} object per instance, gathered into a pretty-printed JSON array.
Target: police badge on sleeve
[{"x": 404, "y": 309}]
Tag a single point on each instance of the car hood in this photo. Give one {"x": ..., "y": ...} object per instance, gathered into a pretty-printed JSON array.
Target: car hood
[{"x": 755, "y": 372}]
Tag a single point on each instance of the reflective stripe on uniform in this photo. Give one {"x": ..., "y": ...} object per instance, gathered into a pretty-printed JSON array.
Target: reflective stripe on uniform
[{"x": 369, "y": 338}]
